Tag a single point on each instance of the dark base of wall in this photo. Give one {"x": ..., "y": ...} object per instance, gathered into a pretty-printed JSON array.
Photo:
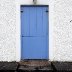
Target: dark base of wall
[
  {"x": 8, "y": 66},
  {"x": 50, "y": 67},
  {"x": 62, "y": 66}
]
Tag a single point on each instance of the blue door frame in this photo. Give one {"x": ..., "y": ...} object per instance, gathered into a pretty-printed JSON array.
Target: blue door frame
[{"x": 34, "y": 32}]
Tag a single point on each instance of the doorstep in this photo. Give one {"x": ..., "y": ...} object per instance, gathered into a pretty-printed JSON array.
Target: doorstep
[{"x": 35, "y": 65}]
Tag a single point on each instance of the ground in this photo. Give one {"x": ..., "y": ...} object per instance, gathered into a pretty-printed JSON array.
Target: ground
[{"x": 35, "y": 65}]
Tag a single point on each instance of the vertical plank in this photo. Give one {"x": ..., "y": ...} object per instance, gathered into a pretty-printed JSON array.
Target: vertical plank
[
  {"x": 25, "y": 21},
  {"x": 32, "y": 21},
  {"x": 45, "y": 21},
  {"x": 46, "y": 28},
  {"x": 39, "y": 21}
]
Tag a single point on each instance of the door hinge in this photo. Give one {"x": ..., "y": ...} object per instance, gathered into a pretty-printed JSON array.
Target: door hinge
[
  {"x": 47, "y": 11},
  {"x": 21, "y": 11}
]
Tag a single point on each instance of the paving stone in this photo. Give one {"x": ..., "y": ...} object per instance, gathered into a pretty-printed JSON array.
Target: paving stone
[
  {"x": 8, "y": 66},
  {"x": 8, "y": 71},
  {"x": 62, "y": 66}
]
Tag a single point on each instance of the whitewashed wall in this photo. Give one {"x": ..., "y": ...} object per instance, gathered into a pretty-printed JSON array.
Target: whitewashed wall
[
  {"x": 60, "y": 29},
  {"x": 7, "y": 30}
]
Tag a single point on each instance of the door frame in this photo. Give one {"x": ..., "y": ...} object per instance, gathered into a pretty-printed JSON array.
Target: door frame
[{"x": 18, "y": 30}]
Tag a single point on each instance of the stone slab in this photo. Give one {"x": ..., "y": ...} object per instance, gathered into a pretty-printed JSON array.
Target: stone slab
[{"x": 62, "y": 66}]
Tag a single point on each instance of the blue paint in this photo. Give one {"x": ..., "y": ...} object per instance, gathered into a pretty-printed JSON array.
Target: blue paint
[{"x": 34, "y": 32}]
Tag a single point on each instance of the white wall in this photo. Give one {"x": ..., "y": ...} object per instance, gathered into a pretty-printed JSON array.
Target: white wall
[
  {"x": 7, "y": 30},
  {"x": 60, "y": 29}
]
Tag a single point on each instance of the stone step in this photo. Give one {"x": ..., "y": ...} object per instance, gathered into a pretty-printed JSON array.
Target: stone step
[
  {"x": 35, "y": 62},
  {"x": 35, "y": 65},
  {"x": 30, "y": 69}
]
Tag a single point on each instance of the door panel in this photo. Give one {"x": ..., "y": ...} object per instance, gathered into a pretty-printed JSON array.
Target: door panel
[
  {"x": 35, "y": 48},
  {"x": 33, "y": 21},
  {"x": 45, "y": 21},
  {"x": 25, "y": 21},
  {"x": 39, "y": 21}
]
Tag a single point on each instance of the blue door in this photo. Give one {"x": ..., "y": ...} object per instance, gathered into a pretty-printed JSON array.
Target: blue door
[{"x": 34, "y": 32}]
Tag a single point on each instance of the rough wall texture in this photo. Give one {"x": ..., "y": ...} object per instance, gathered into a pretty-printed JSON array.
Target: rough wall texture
[
  {"x": 62, "y": 32},
  {"x": 62, "y": 29},
  {"x": 7, "y": 30}
]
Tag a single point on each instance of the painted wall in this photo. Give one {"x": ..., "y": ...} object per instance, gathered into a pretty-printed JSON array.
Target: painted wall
[
  {"x": 60, "y": 29},
  {"x": 7, "y": 30}
]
